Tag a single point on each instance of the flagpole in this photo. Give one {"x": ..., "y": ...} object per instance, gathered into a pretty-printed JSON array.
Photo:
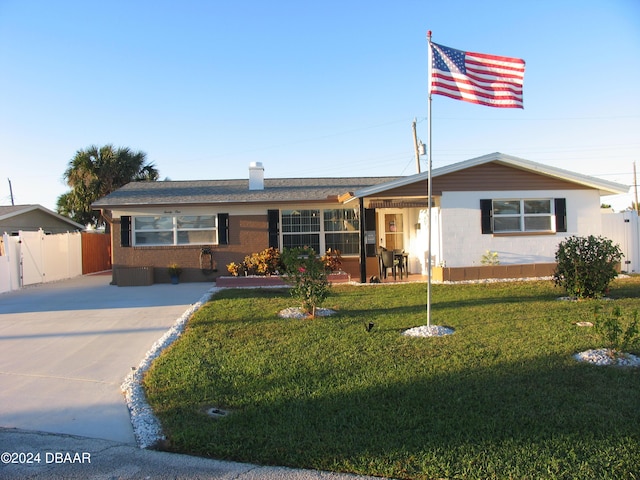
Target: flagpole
[{"x": 429, "y": 189}]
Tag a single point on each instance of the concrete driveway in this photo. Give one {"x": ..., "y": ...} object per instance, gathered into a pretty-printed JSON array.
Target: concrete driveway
[{"x": 66, "y": 347}]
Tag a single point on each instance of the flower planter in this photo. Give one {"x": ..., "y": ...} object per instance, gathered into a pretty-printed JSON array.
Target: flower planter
[
  {"x": 250, "y": 281},
  {"x": 272, "y": 281},
  {"x": 458, "y": 274}
]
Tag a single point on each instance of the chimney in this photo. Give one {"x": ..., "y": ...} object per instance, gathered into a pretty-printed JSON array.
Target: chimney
[{"x": 256, "y": 176}]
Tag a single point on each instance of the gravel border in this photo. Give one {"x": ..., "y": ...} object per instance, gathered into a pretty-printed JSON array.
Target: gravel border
[
  {"x": 605, "y": 356},
  {"x": 428, "y": 331},
  {"x": 146, "y": 426}
]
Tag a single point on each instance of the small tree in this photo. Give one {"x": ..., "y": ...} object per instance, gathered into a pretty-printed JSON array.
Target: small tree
[
  {"x": 586, "y": 265},
  {"x": 617, "y": 333},
  {"x": 308, "y": 274}
]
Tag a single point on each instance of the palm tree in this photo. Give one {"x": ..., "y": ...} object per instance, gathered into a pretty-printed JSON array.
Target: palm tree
[{"x": 96, "y": 172}]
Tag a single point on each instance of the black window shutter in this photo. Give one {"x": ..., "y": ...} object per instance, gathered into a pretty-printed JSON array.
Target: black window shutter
[
  {"x": 223, "y": 229},
  {"x": 486, "y": 212},
  {"x": 273, "y": 217},
  {"x": 125, "y": 231},
  {"x": 561, "y": 214}
]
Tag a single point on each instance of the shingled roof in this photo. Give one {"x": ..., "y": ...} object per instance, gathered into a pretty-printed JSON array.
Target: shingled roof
[
  {"x": 13, "y": 211},
  {"x": 205, "y": 192}
]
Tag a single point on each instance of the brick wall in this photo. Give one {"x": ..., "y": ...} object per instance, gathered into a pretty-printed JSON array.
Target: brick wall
[{"x": 247, "y": 234}]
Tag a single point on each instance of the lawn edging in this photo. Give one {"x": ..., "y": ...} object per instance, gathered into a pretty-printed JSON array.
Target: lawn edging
[{"x": 146, "y": 426}]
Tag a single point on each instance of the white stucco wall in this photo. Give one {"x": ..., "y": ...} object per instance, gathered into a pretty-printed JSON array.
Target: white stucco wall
[
  {"x": 418, "y": 239},
  {"x": 463, "y": 243}
]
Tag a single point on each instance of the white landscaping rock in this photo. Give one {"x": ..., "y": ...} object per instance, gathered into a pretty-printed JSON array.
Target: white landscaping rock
[
  {"x": 604, "y": 356},
  {"x": 146, "y": 426},
  {"x": 428, "y": 331},
  {"x": 296, "y": 312}
]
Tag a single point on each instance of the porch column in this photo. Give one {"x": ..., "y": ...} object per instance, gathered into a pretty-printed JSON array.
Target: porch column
[{"x": 363, "y": 248}]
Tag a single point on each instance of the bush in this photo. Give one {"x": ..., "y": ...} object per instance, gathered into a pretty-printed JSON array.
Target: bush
[
  {"x": 308, "y": 275},
  {"x": 332, "y": 260},
  {"x": 490, "y": 258},
  {"x": 235, "y": 268},
  {"x": 618, "y": 335},
  {"x": 267, "y": 262},
  {"x": 586, "y": 265}
]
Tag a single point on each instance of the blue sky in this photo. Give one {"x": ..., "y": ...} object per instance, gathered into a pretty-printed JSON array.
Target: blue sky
[{"x": 308, "y": 88}]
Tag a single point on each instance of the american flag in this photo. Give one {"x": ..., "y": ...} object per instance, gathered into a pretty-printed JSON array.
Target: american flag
[{"x": 476, "y": 77}]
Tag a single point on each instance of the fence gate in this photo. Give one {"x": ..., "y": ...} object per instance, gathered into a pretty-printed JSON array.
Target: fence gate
[
  {"x": 31, "y": 258},
  {"x": 624, "y": 230},
  {"x": 96, "y": 252}
]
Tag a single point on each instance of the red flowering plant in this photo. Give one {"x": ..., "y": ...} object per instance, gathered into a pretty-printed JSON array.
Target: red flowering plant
[
  {"x": 308, "y": 275},
  {"x": 332, "y": 259}
]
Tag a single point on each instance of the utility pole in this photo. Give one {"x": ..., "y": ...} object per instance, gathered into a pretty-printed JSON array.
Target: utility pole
[
  {"x": 12, "y": 204},
  {"x": 635, "y": 186},
  {"x": 415, "y": 145}
]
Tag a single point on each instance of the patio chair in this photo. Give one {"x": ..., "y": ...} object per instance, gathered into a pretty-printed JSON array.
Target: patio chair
[{"x": 388, "y": 260}]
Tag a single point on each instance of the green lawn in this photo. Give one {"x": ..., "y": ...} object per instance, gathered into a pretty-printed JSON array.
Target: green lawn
[{"x": 500, "y": 398}]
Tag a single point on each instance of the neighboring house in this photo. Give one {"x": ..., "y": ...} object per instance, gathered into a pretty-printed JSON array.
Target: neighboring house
[
  {"x": 31, "y": 218},
  {"x": 517, "y": 208}
]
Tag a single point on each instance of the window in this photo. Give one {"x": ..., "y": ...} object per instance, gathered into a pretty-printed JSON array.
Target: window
[
  {"x": 336, "y": 228},
  {"x": 523, "y": 215},
  {"x": 175, "y": 230},
  {"x": 196, "y": 229},
  {"x": 153, "y": 230},
  {"x": 342, "y": 231},
  {"x": 393, "y": 231},
  {"x": 301, "y": 228}
]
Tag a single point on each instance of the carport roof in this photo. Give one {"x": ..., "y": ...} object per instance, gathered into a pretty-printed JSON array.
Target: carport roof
[{"x": 605, "y": 187}]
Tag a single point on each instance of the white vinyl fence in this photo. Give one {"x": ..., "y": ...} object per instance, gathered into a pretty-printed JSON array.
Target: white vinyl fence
[
  {"x": 33, "y": 257},
  {"x": 624, "y": 230}
]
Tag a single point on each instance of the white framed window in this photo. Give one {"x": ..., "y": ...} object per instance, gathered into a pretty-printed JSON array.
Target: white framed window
[
  {"x": 523, "y": 215},
  {"x": 301, "y": 228},
  {"x": 322, "y": 229},
  {"x": 161, "y": 230},
  {"x": 342, "y": 230}
]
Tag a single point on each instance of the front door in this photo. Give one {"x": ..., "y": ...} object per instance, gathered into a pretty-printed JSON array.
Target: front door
[{"x": 393, "y": 231}]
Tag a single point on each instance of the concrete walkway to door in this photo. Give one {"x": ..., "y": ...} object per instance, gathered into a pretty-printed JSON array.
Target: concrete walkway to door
[{"x": 66, "y": 347}]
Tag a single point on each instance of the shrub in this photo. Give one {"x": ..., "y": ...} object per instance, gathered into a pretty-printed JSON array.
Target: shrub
[
  {"x": 266, "y": 262},
  {"x": 332, "y": 260},
  {"x": 617, "y": 333},
  {"x": 235, "y": 268},
  {"x": 586, "y": 265},
  {"x": 490, "y": 258},
  {"x": 308, "y": 275}
]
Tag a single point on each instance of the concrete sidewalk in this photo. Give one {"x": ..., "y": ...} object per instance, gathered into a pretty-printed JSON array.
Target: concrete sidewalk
[{"x": 69, "y": 457}]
